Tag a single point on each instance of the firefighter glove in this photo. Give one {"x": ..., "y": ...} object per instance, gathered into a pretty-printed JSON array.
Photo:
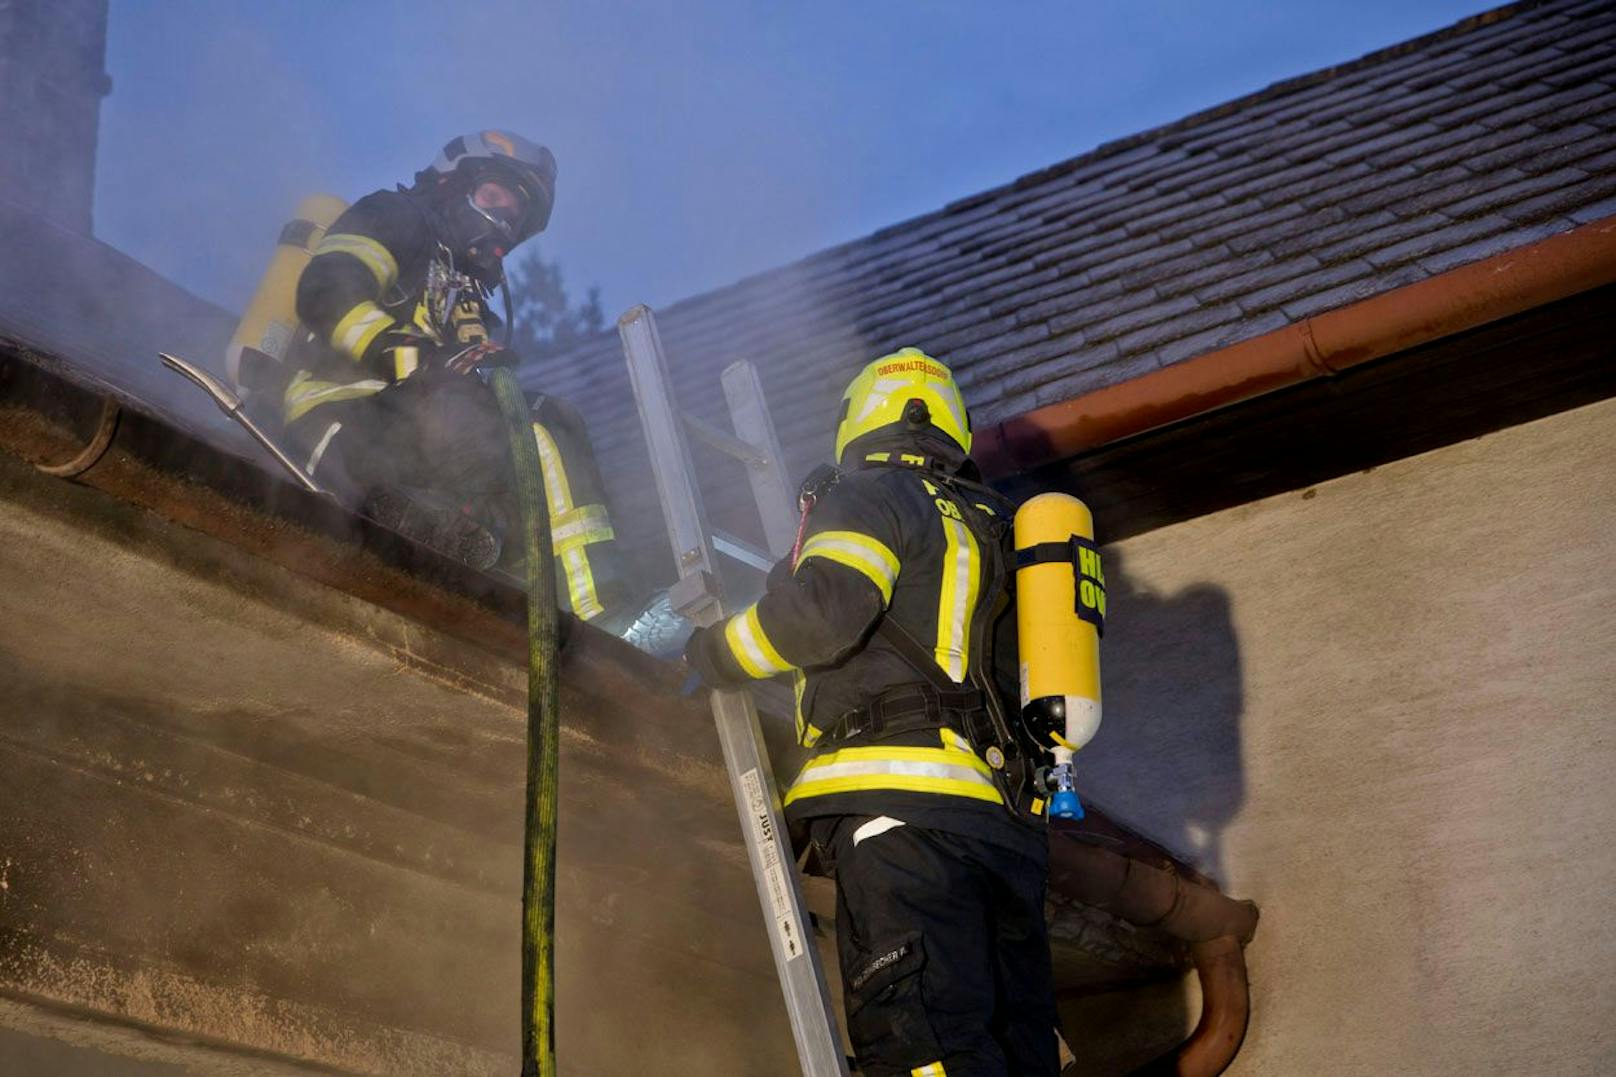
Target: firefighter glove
[{"x": 704, "y": 654}]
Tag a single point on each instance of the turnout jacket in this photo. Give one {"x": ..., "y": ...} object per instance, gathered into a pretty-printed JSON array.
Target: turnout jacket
[
  {"x": 896, "y": 549},
  {"x": 380, "y": 269}
]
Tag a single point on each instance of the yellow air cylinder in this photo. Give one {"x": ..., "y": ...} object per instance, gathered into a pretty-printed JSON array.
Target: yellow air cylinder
[
  {"x": 271, "y": 317},
  {"x": 1060, "y": 613}
]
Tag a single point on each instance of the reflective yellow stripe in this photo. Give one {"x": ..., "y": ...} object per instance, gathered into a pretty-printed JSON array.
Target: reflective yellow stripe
[
  {"x": 582, "y": 597},
  {"x": 944, "y": 771},
  {"x": 406, "y": 360},
  {"x": 808, "y": 734},
  {"x": 305, "y": 394},
  {"x": 861, "y": 553},
  {"x": 377, "y": 258},
  {"x": 799, "y": 682},
  {"x": 751, "y": 646},
  {"x": 957, "y": 599},
  {"x": 932, "y": 1069},
  {"x": 358, "y": 328},
  {"x": 557, "y": 491}
]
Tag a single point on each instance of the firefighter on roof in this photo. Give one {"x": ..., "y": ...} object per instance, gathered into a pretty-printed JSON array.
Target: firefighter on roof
[
  {"x": 897, "y": 622},
  {"x": 394, "y": 315}
]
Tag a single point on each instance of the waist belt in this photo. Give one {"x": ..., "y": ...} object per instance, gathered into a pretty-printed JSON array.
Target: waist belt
[{"x": 909, "y": 708}]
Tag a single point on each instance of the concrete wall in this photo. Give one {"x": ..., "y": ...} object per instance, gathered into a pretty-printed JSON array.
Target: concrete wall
[{"x": 1381, "y": 708}]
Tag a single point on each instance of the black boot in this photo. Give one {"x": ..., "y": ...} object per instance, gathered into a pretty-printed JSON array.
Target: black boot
[{"x": 452, "y": 530}]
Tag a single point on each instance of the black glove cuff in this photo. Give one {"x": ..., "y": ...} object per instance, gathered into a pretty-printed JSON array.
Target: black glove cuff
[{"x": 707, "y": 655}]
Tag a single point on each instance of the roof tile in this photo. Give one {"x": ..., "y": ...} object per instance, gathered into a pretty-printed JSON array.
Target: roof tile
[
  {"x": 1202, "y": 225},
  {"x": 1599, "y": 67},
  {"x": 1519, "y": 190},
  {"x": 1561, "y": 201},
  {"x": 1556, "y": 111},
  {"x": 1528, "y": 146},
  {"x": 1497, "y": 243},
  {"x": 1453, "y": 144},
  {"x": 1437, "y": 240},
  {"x": 1479, "y": 106},
  {"x": 1082, "y": 294},
  {"x": 1584, "y": 146},
  {"x": 1394, "y": 196},
  {"x": 1213, "y": 267},
  {"x": 1087, "y": 381},
  {"x": 1086, "y": 314},
  {"x": 1175, "y": 327},
  {"x": 1217, "y": 337},
  {"x": 1304, "y": 283},
  {"x": 1121, "y": 324},
  {"x": 1403, "y": 104},
  {"x": 1598, "y": 211},
  {"x": 1357, "y": 151},
  {"x": 1306, "y": 306},
  {"x": 1477, "y": 188},
  {"x": 1151, "y": 254},
  {"x": 1240, "y": 284}
]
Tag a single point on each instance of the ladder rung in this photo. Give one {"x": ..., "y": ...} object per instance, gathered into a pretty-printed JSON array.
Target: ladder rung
[
  {"x": 711, "y": 436},
  {"x": 742, "y": 551}
]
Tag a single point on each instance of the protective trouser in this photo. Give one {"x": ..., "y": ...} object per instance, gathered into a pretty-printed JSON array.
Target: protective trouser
[
  {"x": 444, "y": 433},
  {"x": 943, "y": 950}
]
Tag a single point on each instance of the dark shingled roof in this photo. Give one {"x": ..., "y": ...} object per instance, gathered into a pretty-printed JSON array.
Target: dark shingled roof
[{"x": 1311, "y": 194}]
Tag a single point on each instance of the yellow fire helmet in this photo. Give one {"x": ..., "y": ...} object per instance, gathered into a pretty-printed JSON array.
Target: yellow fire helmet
[{"x": 882, "y": 395}]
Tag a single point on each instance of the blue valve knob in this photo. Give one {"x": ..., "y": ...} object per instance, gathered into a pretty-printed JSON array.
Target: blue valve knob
[{"x": 1065, "y": 805}]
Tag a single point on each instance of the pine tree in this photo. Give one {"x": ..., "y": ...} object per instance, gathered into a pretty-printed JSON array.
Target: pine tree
[{"x": 546, "y": 321}]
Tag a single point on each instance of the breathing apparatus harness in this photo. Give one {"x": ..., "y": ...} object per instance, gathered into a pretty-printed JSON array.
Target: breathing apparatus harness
[{"x": 975, "y": 709}]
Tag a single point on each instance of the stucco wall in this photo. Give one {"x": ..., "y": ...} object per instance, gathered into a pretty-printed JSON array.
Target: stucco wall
[
  {"x": 1381, "y": 708},
  {"x": 243, "y": 810}
]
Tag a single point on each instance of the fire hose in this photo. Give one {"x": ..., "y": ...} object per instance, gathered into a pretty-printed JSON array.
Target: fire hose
[{"x": 543, "y": 730}]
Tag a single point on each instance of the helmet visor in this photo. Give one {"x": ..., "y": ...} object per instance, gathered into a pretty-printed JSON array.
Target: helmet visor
[{"x": 502, "y": 206}]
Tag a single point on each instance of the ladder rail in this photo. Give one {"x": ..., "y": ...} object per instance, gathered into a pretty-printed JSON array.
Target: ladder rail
[{"x": 746, "y": 760}]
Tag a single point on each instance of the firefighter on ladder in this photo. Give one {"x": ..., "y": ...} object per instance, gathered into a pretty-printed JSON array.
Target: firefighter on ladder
[
  {"x": 896, "y": 619},
  {"x": 374, "y": 392}
]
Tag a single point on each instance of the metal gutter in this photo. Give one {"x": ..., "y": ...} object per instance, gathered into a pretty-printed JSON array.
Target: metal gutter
[{"x": 1320, "y": 346}]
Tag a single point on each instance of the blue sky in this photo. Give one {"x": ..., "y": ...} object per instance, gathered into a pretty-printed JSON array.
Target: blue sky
[{"x": 698, "y": 141}]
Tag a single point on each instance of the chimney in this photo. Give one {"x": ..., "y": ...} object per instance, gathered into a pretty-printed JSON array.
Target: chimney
[{"x": 52, "y": 79}]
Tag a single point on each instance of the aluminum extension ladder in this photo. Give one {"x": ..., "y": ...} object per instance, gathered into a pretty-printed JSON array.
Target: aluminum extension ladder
[{"x": 698, "y": 596}]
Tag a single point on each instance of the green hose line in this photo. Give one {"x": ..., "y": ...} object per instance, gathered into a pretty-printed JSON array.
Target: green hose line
[{"x": 543, "y": 730}]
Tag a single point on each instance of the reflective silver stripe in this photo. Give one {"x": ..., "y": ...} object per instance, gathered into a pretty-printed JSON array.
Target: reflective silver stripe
[
  {"x": 344, "y": 391},
  {"x": 875, "y": 828},
  {"x": 556, "y": 489},
  {"x": 584, "y": 522},
  {"x": 581, "y": 594},
  {"x": 866, "y": 768},
  {"x": 377, "y": 258},
  {"x": 319, "y": 449},
  {"x": 358, "y": 328},
  {"x": 752, "y": 647},
  {"x": 956, "y": 600},
  {"x": 862, "y": 553},
  {"x": 580, "y": 584}
]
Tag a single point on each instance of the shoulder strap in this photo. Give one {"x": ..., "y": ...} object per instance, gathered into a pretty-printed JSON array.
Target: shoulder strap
[{"x": 913, "y": 652}]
